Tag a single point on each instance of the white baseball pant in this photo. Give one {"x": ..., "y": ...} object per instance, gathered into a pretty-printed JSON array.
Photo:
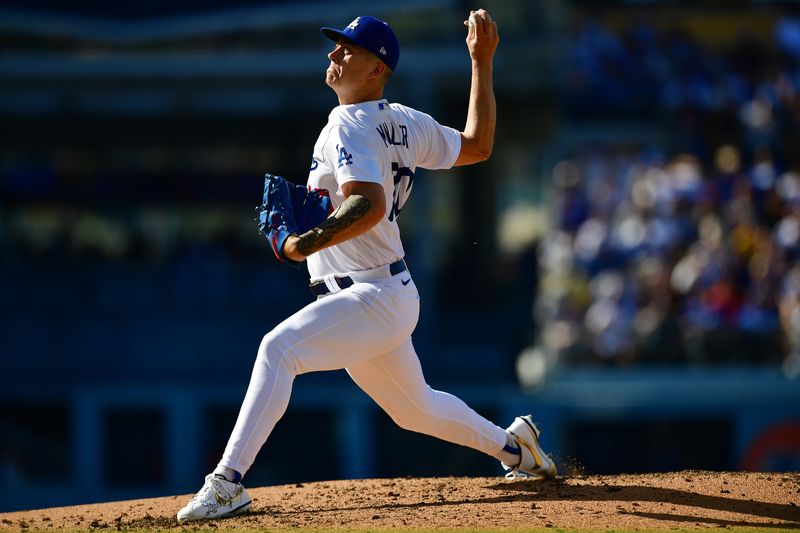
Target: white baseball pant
[{"x": 365, "y": 329}]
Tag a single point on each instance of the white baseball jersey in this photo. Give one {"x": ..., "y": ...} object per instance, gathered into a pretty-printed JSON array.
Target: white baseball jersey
[{"x": 381, "y": 143}]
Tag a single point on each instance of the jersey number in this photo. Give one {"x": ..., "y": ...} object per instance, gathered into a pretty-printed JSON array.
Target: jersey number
[{"x": 403, "y": 181}]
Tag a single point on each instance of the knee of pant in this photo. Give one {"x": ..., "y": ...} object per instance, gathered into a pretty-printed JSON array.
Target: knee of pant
[
  {"x": 405, "y": 420},
  {"x": 416, "y": 414},
  {"x": 412, "y": 420},
  {"x": 274, "y": 352}
]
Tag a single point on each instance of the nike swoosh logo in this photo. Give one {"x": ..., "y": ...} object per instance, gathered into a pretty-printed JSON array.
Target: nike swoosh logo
[{"x": 406, "y": 281}]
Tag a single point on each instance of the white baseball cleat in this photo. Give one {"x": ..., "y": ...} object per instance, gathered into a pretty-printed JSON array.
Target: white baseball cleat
[
  {"x": 217, "y": 499},
  {"x": 534, "y": 463}
]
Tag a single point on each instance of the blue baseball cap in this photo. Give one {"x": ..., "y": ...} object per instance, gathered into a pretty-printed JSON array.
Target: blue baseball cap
[{"x": 373, "y": 34}]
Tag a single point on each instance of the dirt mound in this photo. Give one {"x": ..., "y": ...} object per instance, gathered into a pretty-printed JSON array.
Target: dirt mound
[{"x": 682, "y": 499}]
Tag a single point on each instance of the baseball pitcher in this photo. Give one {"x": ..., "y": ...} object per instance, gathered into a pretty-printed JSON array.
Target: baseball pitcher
[{"x": 344, "y": 226}]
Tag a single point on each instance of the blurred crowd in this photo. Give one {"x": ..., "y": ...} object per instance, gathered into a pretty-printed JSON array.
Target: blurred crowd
[
  {"x": 746, "y": 89},
  {"x": 675, "y": 256},
  {"x": 627, "y": 68},
  {"x": 659, "y": 260}
]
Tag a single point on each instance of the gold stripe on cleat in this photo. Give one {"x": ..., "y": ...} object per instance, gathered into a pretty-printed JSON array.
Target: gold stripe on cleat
[{"x": 536, "y": 456}]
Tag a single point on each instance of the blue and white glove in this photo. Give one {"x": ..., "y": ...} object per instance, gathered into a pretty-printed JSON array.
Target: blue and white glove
[{"x": 289, "y": 209}]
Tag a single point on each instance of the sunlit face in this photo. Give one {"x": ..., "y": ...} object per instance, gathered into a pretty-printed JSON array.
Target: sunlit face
[{"x": 350, "y": 66}]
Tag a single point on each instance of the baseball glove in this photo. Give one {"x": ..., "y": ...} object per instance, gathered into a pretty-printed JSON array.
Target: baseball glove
[{"x": 289, "y": 209}]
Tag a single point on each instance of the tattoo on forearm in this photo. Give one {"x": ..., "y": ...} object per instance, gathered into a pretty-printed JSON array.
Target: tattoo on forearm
[{"x": 351, "y": 210}]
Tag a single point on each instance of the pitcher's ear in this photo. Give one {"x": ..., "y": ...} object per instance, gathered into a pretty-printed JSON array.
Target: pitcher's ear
[{"x": 380, "y": 68}]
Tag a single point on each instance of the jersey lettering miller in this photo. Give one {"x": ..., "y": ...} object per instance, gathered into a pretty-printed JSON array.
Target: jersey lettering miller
[{"x": 388, "y": 136}]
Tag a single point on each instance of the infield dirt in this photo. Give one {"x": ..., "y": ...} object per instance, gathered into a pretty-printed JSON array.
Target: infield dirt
[{"x": 684, "y": 500}]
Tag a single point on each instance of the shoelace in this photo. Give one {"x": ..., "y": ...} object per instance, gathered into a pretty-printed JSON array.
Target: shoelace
[{"x": 216, "y": 485}]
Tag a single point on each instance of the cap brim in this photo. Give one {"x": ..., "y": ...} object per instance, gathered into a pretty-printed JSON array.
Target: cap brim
[{"x": 334, "y": 35}]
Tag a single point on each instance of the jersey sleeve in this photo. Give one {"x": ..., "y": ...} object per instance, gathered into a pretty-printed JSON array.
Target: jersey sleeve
[
  {"x": 353, "y": 156},
  {"x": 438, "y": 146}
]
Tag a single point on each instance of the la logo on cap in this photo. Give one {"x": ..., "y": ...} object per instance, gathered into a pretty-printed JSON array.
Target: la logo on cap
[
  {"x": 353, "y": 24},
  {"x": 383, "y": 50}
]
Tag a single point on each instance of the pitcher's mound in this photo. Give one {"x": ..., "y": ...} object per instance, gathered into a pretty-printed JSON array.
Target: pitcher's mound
[{"x": 653, "y": 501}]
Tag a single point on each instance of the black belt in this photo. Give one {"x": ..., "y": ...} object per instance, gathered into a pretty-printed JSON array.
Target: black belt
[{"x": 318, "y": 288}]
